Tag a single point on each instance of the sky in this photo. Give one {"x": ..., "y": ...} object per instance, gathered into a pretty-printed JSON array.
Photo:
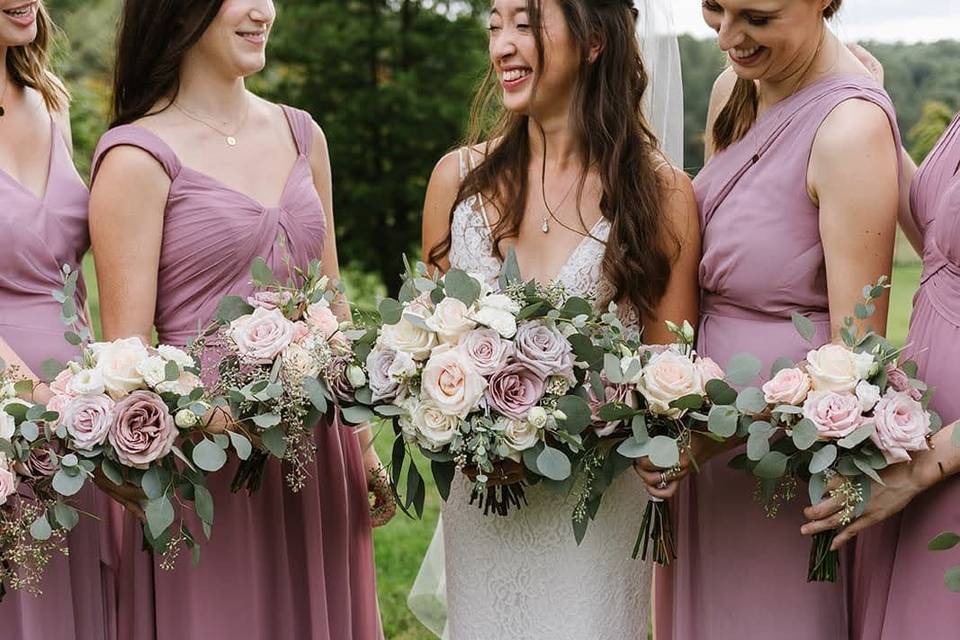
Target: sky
[{"x": 885, "y": 20}]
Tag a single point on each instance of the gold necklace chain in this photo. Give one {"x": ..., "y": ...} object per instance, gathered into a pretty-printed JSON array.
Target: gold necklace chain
[
  {"x": 3, "y": 94},
  {"x": 229, "y": 137}
]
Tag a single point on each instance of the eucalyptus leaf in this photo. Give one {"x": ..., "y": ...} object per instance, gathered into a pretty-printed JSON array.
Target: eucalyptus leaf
[
  {"x": 29, "y": 430},
  {"x": 273, "y": 439},
  {"x": 262, "y": 274},
  {"x": 720, "y": 392},
  {"x": 314, "y": 390},
  {"x": 868, "y": 470},
  {"x": 554, "y": 464},
  {"x": 823, "y": 458},
  {"x": 751, "y": 401},
  {"x": 204, "y": 503},
  {"x": 208, "y": 456},
  {"x": 722, "y": 420},
  {"x": 952, "y": 579},
  {"x": 389, "y": 410},
  {"x": 743, "y": 369},
  {"x": 804, "y": 326},
  {"x": 633, "y": 448},
  {"x": 944, "y": 541},
  {"x": 638, "y": 426},
  {"x": 66, "y": 516},
  {"x": 758, "y": 446},
  {"x": 68, "y": 485},
  {"x": 266, "y": 420},
  {"x": 577, "y": 411},
  {"x": 804, "y": 434},
  {"x": 817, "y": 487},
  {"x": 160, "y": 516},
  {"x": 664, "y": 452},
  {"x": 780, "y": 364},
  {"x": 860, "y": 435},
  {"x": 152, "y": 483},
  {"x": 111, "y": 471},
  {"x": 171, "y": 371},
  {"x": 462, "y": 286},
  {"x": 611, "y": 367},
  {"x": 231, "y": 308},
  {"x": 510, "y": 271},
  {"x": 772, "y": 466},
  {"x": 40, "y": 529},
  {"x": 241, "y": 444},
  {"x": 585, "y": 351},
  {"x": 357, "y": 414},
  {"x": 51, "y": 369},
  {"x": 391, "y": 311}
]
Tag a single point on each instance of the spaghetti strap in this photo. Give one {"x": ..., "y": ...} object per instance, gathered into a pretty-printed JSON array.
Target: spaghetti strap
[
  {"x": 132, "y": 135},
  {"x": 301, "y": 124}
]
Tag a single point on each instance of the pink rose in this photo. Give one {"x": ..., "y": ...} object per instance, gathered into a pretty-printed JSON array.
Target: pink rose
[
  {"x": 87, "y": 420},
  {"x": 300, "y": 330},
  {"x": 544, "y": 349},
  {"x": 901, "y": 426},
  {"x": 8, "y": 482},
  {"x": 669, "y": 376},
  {"x": 789, "y": 386},
  {"x": 487, "y": 350},
  {"x": 269, "y": 300},
  {"x": 514, "y": 390},
  {"x": 900, "y": 381},
  {"x": 451, "y": 381},
  {"x": 142, "y": 430},
  {"x": 836, "y": 415},
  {"x": 709, "y": 370},
  {"x": 262, "y": 335},
  {"x": 619, "y": 393},
  {"x": 320, "y": 317},
  {"x": 59, "y": 403},
  {"x": 61, "y": 384}
]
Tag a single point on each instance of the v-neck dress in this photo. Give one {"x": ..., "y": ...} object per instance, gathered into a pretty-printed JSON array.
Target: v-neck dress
[
  {"x": 42, "y": 233},
  {"x": 279, "y": 564}
]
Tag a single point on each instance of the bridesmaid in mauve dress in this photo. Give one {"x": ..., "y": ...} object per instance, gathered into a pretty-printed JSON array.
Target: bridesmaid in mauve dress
[
  {"x": 786, "y": 204},
  {"x": 43, "y": 221},
  {"x": 182, "y": 203}
]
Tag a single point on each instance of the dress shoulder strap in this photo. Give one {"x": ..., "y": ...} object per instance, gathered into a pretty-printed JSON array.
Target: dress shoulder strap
[
  {"x": 136, "y": 136},
  {"x": 301, "y": 124}
]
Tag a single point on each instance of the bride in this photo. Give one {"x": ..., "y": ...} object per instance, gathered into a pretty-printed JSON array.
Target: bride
[{"x": 572, "y": 178}]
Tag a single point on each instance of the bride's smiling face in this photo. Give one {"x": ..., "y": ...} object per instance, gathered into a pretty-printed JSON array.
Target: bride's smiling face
[
  {"x": 236, "y": 40},
  {"x": 767, "y": 39},
  {"x": 529, "y": 86}
]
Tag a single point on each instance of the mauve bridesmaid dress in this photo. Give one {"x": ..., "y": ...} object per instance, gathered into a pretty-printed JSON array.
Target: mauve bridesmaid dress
[
  {"x": 41, "y": 233},
  {"x": 899, "y": 590},
  {"x": 740, "y": 574},
  {"x": 279, "y": 564}
]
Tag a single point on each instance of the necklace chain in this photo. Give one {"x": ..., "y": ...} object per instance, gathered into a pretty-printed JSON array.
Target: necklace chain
[
  {"x": 545, "y": 223},
  {"x": 229, "y": 136},
  {"x": 3, "y": 94}
]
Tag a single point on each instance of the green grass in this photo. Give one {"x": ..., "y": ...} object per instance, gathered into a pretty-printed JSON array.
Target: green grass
[{"x": 401, "y": 545}]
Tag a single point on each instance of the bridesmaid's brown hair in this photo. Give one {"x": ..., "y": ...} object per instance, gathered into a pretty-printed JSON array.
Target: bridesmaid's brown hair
[
  {"x": 740, "y": 112},
  {"x": 153, "y": 37},
  {"x": 614, "y": 136},
  {"x": 29, "y": 65}
]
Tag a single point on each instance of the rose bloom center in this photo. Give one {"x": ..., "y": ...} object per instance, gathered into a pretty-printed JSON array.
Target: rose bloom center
[{"x": 451, "y": 379}]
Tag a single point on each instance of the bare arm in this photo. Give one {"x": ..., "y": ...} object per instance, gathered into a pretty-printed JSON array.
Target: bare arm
[
  {"x": 441, "y": 195},
  {"x": 852, "y": 177}
]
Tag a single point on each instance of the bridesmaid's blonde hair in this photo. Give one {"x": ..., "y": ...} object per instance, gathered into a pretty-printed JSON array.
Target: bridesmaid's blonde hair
[
  {"x": 29, "y": 65},
  {"x": 740, "y": 112}
]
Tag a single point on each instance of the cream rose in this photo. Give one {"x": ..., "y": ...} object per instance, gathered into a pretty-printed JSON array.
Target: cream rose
[
  {"x": 262, "y": 335},
  {"x": 298, "y": 363},
  {"x": 788, "y": 386},
  {"x": 452, "y": 382},
  {"x": 183, "y": 359},
  {"x": 117, "y": 362},
  {"x": 450, "y": 320},
  {"x": 434, "y": 428},
  {"x": 408, "y": 337},
  {"x": 667, "y": 377},
  {"x": 834, "y": 367},
  {"x": 153, "y": 370},
  {"x": 518, "y": 436},
  {"x": 869, "y": 395},
  {"x": 709, "y": 370}
]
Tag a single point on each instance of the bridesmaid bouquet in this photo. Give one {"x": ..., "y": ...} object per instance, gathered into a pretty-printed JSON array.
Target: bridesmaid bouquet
[
  {"x": 35, "y": 486},
  {"x": 847, "y": 412},
  {"x": 649, "y": 401},
  {"x": 483, "y": 381},
  {"x": 285, "y": 362}
]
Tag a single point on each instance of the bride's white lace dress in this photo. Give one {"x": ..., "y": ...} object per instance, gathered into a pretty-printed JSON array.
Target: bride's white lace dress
[{"x": 523, "y": 577}]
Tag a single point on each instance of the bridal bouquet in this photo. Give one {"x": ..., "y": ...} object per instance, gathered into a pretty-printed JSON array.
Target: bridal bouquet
[
  {"x": 131, "y": 414},
  {"x": 482, "y": 381},
  {"x": 285, "y": 360},
  {"x": 35, "y": 486},
  {"x": 650, "y": 401},
  {"x": 848, "y": 411}
]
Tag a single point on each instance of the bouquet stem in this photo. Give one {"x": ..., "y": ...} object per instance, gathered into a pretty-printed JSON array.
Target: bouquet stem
[
  {"x": 823, "y": 562},
  {"x": 249, "y": 474},
  {"x": 656, "y": 527},
  {"x": 499, "y": 498}
]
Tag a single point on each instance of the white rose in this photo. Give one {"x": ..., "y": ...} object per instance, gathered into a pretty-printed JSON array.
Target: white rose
[
  {"x": 117, "y": 362},
  {"x": 834, "y": 367},
  {"x": 356, "y": 377},
  {"x": 499, "y": 312},
  {"x": 182, "y": 386},
  {"x": 86, "y": 382},
  {"x": 408, "y": 337},
  {"x": 452, "y": 382},
  {"x": 450, "y": 320},
  {"x": 537, "y": 417},
  {"x": 153, "y": 370},
  {"x": 403, "y": 367},
  {"x": 518, "y": 436},
  {"x": 8, "y": 426},
  {"x": 179, "y": 356},
  {"x": 435, "y": 429},
  {"x": 869, "y": 395},
  {"x": 667, "y": 377},
  {"x": 186, "y": 419}
]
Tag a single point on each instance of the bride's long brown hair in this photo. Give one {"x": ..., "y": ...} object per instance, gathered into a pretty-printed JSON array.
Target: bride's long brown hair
[{"x": 613, "y": 135}]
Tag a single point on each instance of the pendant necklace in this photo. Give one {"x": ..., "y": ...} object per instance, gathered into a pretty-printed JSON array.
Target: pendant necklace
[
  {"x": 545, "y": 223},
  {"x": 230, "y": 137}
]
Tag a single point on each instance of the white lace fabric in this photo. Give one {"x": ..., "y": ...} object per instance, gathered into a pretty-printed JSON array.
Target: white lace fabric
[{"x": 524, "y": 576}]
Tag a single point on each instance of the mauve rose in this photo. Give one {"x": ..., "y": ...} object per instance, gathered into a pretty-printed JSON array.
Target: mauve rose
[
  {"x": 87, "y": 420},
  {"x": 836, "y": 415},
  {"x": 612, "y": 393},
  {"x": 788, "y": 386},
  {"x": 900, "y": 381},
  {"x": 383, "y": 386},
  {"x": 544, "y": 350},
  {"x": 42, "y": 462},
  {"x": 336, "y": 377},
  {"x": 269, "y": 299},
  {"x": 143, "y": 430},
  {"x": 61, "y": 384},
  {"x": 901, "y": 426},
  {"x": 262, "y": 335},
  {"x": 514, "y": 390},
  {"x": 488, "y": 351}
]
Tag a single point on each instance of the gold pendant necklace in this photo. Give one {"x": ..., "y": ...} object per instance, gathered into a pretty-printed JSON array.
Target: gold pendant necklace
[
  {"x": 3, "y": 95},
  {"x": 230, "y": 137}
]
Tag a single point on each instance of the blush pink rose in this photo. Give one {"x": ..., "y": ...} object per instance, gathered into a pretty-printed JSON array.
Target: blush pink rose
[
  {"x": 901, "y": 426},
  {"x": 789, "y": 386},
  {"x": 262, "y": 335},
  {"x": 836, "y": 415},
  {"x": 320, "y": 317},
  {"x": 59, "y": 403},
  {"x": 451, "y": 381},
  {"x": 709, "y": 370},
  {"x": 8, "y": 483},
  {"x": 61, "y": 384},
  {"x": 514, "y": 390},
  {"x": 143, "y": 430},
  {"x": 488, "y": 351},
  {"x": 88, "y": 420}
]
